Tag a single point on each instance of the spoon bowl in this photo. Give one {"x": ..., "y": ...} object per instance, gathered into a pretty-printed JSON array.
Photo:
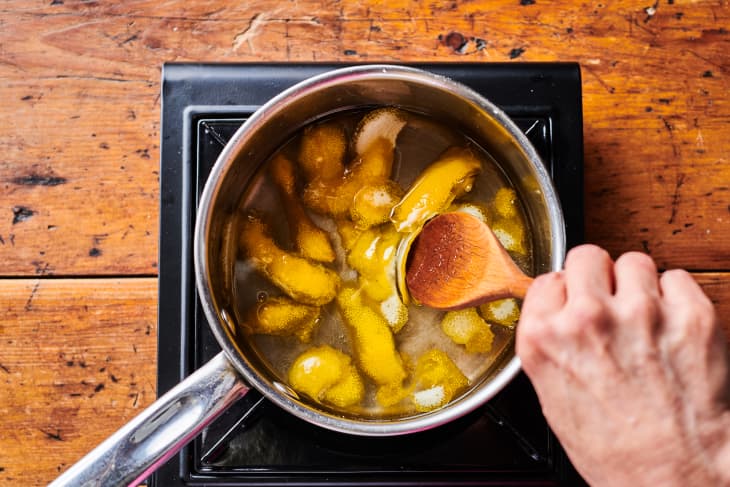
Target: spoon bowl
[{"x": 457, "y": 262}]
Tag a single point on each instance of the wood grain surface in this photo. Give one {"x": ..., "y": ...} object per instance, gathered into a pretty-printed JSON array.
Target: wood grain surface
[
  {"x": 76, "y": 363},
  {"x": 79, "y": 162}
]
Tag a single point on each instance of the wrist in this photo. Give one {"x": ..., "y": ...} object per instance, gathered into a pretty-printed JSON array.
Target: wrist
[
  {"x": 712, "y": 455},
  {"x": 721, "y": 462},
  {"x": 705, "y": 458}
]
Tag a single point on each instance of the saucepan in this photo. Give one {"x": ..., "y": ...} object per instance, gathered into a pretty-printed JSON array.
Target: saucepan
[{"x": 131, "y": 454}]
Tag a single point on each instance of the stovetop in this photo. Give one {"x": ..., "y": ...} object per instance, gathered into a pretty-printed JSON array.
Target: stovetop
[{"x": 255, "y": 443}]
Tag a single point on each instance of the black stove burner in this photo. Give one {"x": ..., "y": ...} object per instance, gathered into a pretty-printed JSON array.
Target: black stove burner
[{"x": 256, "y": 443}]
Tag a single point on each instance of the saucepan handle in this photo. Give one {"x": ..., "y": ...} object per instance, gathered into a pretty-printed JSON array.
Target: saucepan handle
[{"x": 137, "y": 449}]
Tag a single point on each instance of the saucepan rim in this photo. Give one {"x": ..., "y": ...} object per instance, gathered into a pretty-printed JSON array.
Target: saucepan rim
[{"x": 480, "y": 393}]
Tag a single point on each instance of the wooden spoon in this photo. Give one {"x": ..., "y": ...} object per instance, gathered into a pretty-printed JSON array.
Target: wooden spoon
[{"x": 457, "y": 262}]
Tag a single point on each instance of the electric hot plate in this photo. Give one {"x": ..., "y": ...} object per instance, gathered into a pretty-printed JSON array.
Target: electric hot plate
[{"x": 506, "y": 441}]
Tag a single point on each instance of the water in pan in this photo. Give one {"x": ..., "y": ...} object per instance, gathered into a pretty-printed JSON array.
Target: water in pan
[{"x": 420, "y": 142}]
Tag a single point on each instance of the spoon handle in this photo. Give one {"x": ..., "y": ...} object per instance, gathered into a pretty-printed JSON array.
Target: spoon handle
[{"x": 518, "y": 288}]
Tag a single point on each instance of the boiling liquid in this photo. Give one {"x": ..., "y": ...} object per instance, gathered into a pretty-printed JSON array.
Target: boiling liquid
[{"x": 419, "y": 143}]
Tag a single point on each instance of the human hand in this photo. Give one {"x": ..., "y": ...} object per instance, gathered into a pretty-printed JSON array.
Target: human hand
[{"x": 631, "y": 369}]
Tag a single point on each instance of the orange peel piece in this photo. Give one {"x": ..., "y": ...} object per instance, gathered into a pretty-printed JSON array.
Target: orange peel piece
[
  {"x": 322, "y": 150},
  {"x": 466, "y": 327},
  {"x": 372, "y": 338},
  {"x": 301, "y": 279},
  {"x": 450, "y": 177},
  {"x": 437, "y": 380},
  {"x": 327, "y": 375},
  {"x": 505, "y": 312},
  {"x": 281, "y": 316},
  {"x": 310, "y": 240}
]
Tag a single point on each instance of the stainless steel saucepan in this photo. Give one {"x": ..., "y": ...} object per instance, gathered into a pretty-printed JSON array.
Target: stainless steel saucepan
[{"x": 131, "y": 454}]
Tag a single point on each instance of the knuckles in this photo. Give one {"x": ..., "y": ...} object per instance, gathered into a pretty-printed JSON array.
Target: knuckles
[
  {"x": 580, "y": 317},
  {"x": 694, "y": 311},
  {"x": 586, "y": 314},
  {"x": 530, "y": 334},
  {"x": 533, "y": 341},
  {"x": 640, "y": 310},
  {"x": 698, "y": 324}
]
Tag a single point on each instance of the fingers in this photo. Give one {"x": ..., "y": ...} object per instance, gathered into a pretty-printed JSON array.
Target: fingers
[
  {"x": 694, "y": 341},
  {"x": 546, "y": 295},
  {"x": 678, "y": 287},
  {"x": 636, "y": 275},
  {"x": 545, "y": 298},
  {"x": 638, "y": 311},
  {"x": 690, "y": 313},
  {"x": 588, "y": 273},
  {"x": 593, "y": 307}
]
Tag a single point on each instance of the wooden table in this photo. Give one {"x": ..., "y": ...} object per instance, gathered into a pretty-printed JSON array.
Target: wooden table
[{"x": 79, "y": 157}]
